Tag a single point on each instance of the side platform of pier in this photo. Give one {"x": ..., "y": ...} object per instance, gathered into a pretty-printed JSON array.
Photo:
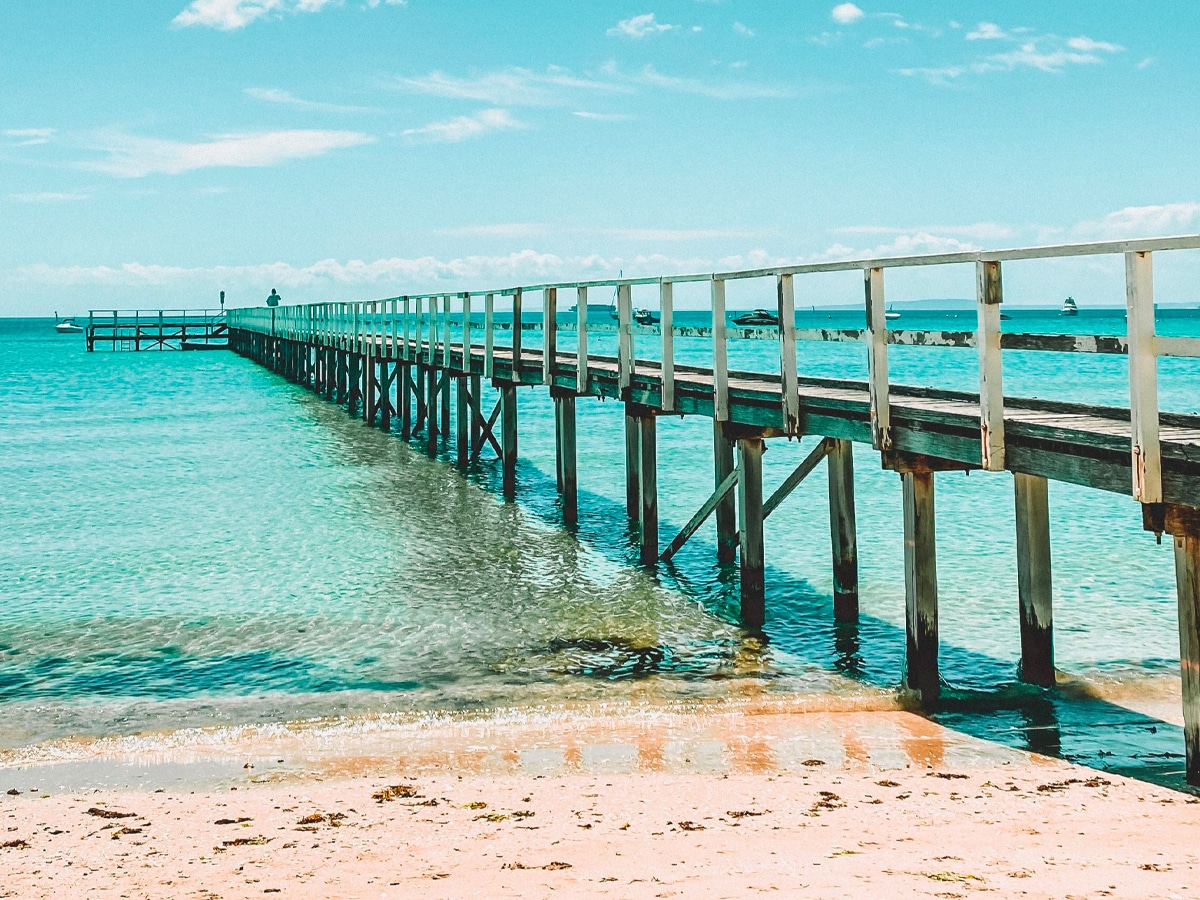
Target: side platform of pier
[{"x": 395, "y": 363}]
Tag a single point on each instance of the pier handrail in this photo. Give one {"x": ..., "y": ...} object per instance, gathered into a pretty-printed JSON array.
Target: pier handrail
[{"x": 362, "y": 324}]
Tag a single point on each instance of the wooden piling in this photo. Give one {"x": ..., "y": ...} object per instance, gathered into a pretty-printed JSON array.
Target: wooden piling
[
  {"x": 726, "y": 510},
  {"x": 461, "y": 422},
  {"x": 633, "y": 490},
  {"x": 567, "y": 462},
  {"x": 1187, "y": 578},
  {"x": 750, "y": 510},
  {"x": 648, "y": 489},
  {"x": 432, "y": 425},
  {"x": 404, "y": 397},
  {"x": 920, "y": 586},
  {"x": 842, "y": 531},
  {"x": 1034, "y": 579},
  {"x": 508, "y": 436},
  {"x": 477, "y": 397}
]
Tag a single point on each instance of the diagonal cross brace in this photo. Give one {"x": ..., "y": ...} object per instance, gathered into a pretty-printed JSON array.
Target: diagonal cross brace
[
  {"x": 801, "y": 472},
  {"x": 702, "y": 513}
]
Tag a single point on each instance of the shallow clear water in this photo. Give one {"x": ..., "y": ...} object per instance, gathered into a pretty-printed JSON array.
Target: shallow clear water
[{"x": 187, "y": 539}]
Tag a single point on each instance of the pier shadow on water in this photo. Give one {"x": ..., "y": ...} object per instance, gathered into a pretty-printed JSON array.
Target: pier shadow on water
[{"x": 1072, "y": 722}]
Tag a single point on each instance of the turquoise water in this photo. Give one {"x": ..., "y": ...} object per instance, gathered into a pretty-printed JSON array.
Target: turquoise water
[{"x": 188, "y": 539}]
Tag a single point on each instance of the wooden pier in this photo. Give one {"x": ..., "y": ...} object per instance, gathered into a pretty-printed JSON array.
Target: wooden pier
[
  {"x": 394, "y": 362},
  {"x": 157, "y": 329}
]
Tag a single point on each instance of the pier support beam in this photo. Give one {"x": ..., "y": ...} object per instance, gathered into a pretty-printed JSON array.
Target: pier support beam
[
  {"x": 920, "y": 586},
  {"x": 843, "y": 532},
  {"x": 726, "y": 511},
  {"x": 750, "y": 510},
  {"x": 1034, "y": 579},
  {"x": 648, "y": 483},
  {"x": 432, "y": 425},
  {"x": 462, "y": 419},
  {"x": 565, "y": 454},
  {"x": 508, "y": 436},
  {"x": 477, "y": 401},
  {"x": 633, "y": 490}
]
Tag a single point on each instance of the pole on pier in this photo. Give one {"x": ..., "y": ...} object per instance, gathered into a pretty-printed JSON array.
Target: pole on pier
[
  {"x": 476, "y": 434},
  {"x": 461, "y": 422},
  {"x": 633, "y": 490},
  {"x": 404, "y": 398},
  {"x": 432, "y": 425},
  {"x": 750, "y": 507},
  {"x": 1034, "y": 579},
  {"x": 843, "y": 532},
  {"x": 565, "y": 454},
  {"x": 1187, "y": 577},
  {"x": 726, "y": 511},
  {"x": 648, "y": 489},
  {"x": 920, "y": 586},
  {"x": 508, "y": 436}
]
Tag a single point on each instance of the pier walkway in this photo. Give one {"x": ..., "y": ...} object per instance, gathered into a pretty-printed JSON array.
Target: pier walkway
[
  {"x": 398, "y": 362},
  {"x": 156, "y": 329}
]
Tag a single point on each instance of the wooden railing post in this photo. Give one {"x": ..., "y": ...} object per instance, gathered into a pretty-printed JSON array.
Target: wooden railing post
[
  {"x": 489, "y": 333},
  {"x": 877, "y": 361},
  {"x": 516, "y": 336},
  {"x": 466, "y": 338},
  {"x": 549, "y": 333},
  {"x": 624, "y": 339},
  {"x": 1143, "y": 379},
  {"x": 667, "y": 328},
  {"x": 789, "y": 375},
  {"x": 720, "y": 353},
  {"x": 989, "y": 295},
  {"x": 581, "y": 355}
]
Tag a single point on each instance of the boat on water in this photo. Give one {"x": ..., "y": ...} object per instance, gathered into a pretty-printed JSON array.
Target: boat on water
[
  {"x": 757, "y": 317},
  {"x": 644, "y": 317},
  {"x": 1069, "y": 308},
  {"x": 66, "y": 326},
  {"x": 891, "y": 314}
]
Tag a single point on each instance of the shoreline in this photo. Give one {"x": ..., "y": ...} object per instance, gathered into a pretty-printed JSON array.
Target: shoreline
[{"x": 712, "y": 804}]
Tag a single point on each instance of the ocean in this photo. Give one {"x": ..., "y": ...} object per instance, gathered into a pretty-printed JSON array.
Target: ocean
[{"x": 187, "y": 540}]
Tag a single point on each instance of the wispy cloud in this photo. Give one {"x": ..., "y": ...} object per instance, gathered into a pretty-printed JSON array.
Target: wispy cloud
[
  {"x": 230, "y": 15},
  {"x": 461, "y": 128},
  {"x": 507, "y": 87},
  {"x": 129, "y": 156},
  {"x": 648, "y": 235},
  {"x": 980, "y": 231},
  {"x": 282, "y": 97},
  {"x": 49, "y": 197},
  {"x": 638, "y": 27},
  {"x": 846, "y": 14},
  {"x": 1045, "y": 53},
  {"x": 728, "y": 90},
  {"x": 1142, "y": 221},
  {"x": 739, "y": 28},
  {"x": 28, "y": 137},
  {"x": 602, "y": 117}
]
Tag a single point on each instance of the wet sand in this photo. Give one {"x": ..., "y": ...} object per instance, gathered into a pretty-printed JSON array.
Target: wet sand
[{"x": 729, "y": 804}]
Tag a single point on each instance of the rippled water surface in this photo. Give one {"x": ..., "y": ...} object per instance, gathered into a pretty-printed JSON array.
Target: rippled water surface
[{"x": 187, "y": 539}]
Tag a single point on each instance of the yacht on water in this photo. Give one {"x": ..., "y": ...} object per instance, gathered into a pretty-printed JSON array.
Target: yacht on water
[
  {"x": 1069, "y": 308},
  {"x": 758, "y": 317},
  {"x": 66, "y": 326}
]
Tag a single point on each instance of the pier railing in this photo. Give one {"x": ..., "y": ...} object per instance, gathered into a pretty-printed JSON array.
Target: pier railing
[{"x": 418, "y": 327}]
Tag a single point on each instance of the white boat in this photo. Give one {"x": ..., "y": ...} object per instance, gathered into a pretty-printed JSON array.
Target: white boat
[
  {"x": 889, "y": 314},
  {"x": 1069, "y": 308},
  {"x": 66, "y": 326}
]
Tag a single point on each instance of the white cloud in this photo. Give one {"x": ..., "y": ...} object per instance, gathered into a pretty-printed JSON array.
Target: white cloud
[
  {"x": 1146, "y": 63},
  {"x": 28, "y": 137},
  {"x": 983, "y": 231},
  {"x": 506, "y": 87},
  {"x": 461, "y": 128},
  {"x": 135, "y": 157},
  {"x": 914, "y": 244},
  {"x": 988, "y": 31},
  {"x": 275, "y": 95},
  {"x": 1142, "y": 221},
  {"x": 639, "y": 27},
  {"x": 730, "y": 90},
  {"x": 230, "y": 15},
  {"x": 741, "y": 29},
  {"x": 602, "y": 117},
  {"x": 499, "y": 230},
  {"x": 846, "y": 14},
  {"x": 49, "y": 197},
  {"x": 1045, "y": 53}
]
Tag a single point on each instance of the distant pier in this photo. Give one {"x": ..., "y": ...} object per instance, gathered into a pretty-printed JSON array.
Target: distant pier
[
  {"x": 157, "y": 329},
  {"x": 394, "y": 363}
]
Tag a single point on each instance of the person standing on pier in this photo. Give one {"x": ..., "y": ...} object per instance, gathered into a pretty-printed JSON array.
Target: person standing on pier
[{"x": 273, "y": 300}]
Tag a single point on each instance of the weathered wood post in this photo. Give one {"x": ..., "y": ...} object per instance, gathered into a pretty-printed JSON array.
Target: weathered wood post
[
  {"x": 750, "y": 508},
  {"x": 648, "y": 487},
  {"x": 633, "y": 490},
  {"x": 461, "y": 420},
  {"x": 404, "y": 397},
  {"x": 1034, "y": 579},
  {"x": 920, "y": 585},
  {"x": 843, "y": 532},
  {"x": 565, "y": 453},
  {"x": 508, "y": 436},
  {"x": 476, "y": 396},
  {"x": 726, "y": 511},
  {"x": 445, "y": 372}
]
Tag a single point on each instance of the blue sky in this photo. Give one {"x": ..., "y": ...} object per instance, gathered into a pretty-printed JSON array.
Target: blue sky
[{"x": 157, "y": 151}]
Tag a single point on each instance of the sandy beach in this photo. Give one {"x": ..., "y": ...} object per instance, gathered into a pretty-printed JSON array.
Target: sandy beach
[{"x": 717, "y": 805}]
